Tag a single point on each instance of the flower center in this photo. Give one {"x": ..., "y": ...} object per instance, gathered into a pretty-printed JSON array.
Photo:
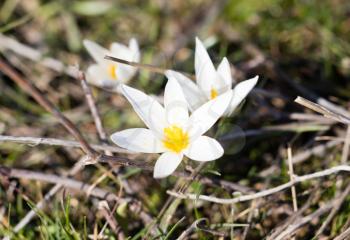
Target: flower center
[
  {"x": 175, "y": 139},
  {"x": 213, "y": 93},
  {"x": 112, "y": 71}
]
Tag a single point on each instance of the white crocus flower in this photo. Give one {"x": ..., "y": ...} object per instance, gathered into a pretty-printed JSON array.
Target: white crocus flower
[
  {"x": 171, "y": 130},
  {"x": 108, "y": 74},
  {"x": 211, "y": 82}
]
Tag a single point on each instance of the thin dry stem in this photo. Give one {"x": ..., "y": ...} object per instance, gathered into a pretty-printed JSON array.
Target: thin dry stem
[
  {"x": 322, "y": 110},
  {"x": 301, "y": 222},
  {"x": 93, "y": 109},
  {"x": 144, "y": 66},
  {"x": 47, "y": 105},
  {"x": 34, "y": 141},
  {"x": 346, "y": 147},
  {"x": 291, "y": 174},
  {"x": 64, "y": 181},
  {"x": 248, "y": 197},
  {"x": 344, "y": 235},
  {"x": 337, "y": 204}
]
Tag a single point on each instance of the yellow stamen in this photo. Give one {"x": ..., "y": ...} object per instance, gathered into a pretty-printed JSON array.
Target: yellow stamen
[
  {"x": 112, "y": 71},
  {"x": 175, "y": 139},
  {"x": 213, "y": 93}
]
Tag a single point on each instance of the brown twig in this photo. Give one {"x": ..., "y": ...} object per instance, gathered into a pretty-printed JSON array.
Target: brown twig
[
  {"x": 301, "y": 222},
  {"x": 48, "y": 106},
  {"x": 322, "y": 110},
  {"x": 249, "y": 219},
  {"x": 264, "y": 193},
  {"x": 34, "y": 141},
  {"x": 93, "y": 109},
  {"x": 291, "y": 175},
  {"x": 314, "y": 196},
  {"x": 136, "y": 64},
  {"x": 64, "y": 181},
  {"x": 108, "y": 215},
  {"x": 192, "y": 228},
  {"x": 346, "y": 147},
  {"x": 344, "y": 235},
  {"x": 340, "y": 198},
  {"x": 337, "y": 204},
  {"x": 148, "y": 67},
  {"x": 195, "y": 227}
]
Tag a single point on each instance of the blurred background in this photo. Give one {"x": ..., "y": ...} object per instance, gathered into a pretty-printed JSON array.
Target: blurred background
[{"x": 298, "y": 48}]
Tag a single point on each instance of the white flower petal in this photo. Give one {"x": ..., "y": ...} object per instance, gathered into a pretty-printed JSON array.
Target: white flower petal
[
  {"x": 224, "y": 72},
  {"x": 192, "y": 93},
  {"x": 97, "y": 75},
  {"x": 167, "y": 164},
  {"x": 121, "y": 51},
  {"x": 240, "y": 92},
  {"x": 175, "y": 103},
  {"x": 124, "y": 52},
  {"x": 205, "y": 117},
  {"x": 134, "y": 47},
  {"x": 206, "y": 74},
  {"x": 138, "y": 140},
  {"x": 147, "y": 108},
  {"x": 127, "y": 72},
  {"x": 204, "y": 149},
  {"x": 96, "y": 51},
  {"x": 94, "y": 74},
  {"x": 124, "y": 72}
]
